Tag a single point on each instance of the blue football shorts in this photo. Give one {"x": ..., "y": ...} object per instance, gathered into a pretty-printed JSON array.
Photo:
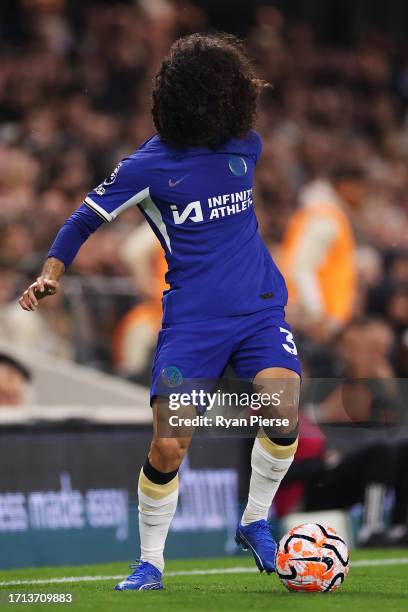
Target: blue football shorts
[{"x": 197, "y": 353}]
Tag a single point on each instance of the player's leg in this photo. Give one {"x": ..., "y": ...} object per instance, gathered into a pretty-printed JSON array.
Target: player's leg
[
  {"x": 158, "y": 493},
  {"x": 268, "y": 356},
  {"x": 275, "y": 446},
  {"x": 158, "y": 482},
  {"x": 272, "y": 455},
  {"x": 187, "y": 356}
]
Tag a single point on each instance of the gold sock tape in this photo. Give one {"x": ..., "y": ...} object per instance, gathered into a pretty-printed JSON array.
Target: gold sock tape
[
  {"x": 277, "y": 450},
  {"x": 156, "y": 491}
]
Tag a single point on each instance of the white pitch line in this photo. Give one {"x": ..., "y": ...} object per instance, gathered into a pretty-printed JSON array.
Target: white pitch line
[
  {"x": 71, "y": 579},
  {"x": 204, "y": 572},
  {"x": 376, "y": 562}
]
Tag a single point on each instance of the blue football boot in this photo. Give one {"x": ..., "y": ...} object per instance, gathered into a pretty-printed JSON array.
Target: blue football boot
[
  {"x": 145, "y": 577},
  {"x": 257, "y": 538}
]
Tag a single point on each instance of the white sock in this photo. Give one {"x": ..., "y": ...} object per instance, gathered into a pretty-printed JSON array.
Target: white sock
[
  {"x": 373, "y": 519},
  {"x": 269, "y": 462},
  {"x": 157, "y": 505}
]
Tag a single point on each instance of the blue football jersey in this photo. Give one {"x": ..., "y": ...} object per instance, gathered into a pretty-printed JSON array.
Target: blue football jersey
[{"x": 199, "y": 203}]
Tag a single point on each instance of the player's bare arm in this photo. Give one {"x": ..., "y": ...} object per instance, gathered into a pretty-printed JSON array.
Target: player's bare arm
[{"x": 46, "y": 284}]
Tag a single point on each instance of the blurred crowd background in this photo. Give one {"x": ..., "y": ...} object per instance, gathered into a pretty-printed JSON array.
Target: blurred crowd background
[
  {"x": 75, "y": 82},
  {"x": 331, "y": 196}
]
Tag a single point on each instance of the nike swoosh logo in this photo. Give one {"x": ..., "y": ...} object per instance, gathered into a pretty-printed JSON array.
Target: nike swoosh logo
[{"x": 174, "y": 183}]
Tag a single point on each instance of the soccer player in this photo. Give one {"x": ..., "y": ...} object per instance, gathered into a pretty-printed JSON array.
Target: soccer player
[{"x": 193, "y": 182}]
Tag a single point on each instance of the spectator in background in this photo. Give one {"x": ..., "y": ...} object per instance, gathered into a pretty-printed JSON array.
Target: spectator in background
[
  {"x": 14, "y": 381},
  {"x": 318, "y": 253},
  {"x": 361, "y": 388},
  {"x": 397, "y": 312},
  {"x": 388, "y": 299}
]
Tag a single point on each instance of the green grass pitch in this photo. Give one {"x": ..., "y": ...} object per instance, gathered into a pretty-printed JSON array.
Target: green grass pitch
[{"x": 377, "y": 581}]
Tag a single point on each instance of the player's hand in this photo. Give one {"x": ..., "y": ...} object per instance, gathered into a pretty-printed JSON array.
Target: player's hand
[{"x": 37, "y": 291}]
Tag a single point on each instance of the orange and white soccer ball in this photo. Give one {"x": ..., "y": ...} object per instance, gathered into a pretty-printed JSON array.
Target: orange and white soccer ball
[{"x": 312, "y": 557}]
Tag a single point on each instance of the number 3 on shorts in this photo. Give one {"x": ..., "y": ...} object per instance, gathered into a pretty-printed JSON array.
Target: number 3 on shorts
[{"x": 290, "y": 345}]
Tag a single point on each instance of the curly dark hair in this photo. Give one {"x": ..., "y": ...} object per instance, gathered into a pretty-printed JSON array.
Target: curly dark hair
[{"x": 205, "y": 92}]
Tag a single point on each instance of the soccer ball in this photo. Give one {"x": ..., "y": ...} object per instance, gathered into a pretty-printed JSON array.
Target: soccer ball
[{"x": 312, "y": 558}]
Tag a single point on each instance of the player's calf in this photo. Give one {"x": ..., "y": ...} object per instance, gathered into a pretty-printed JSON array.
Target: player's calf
[{"x": 166, "y": 454}]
